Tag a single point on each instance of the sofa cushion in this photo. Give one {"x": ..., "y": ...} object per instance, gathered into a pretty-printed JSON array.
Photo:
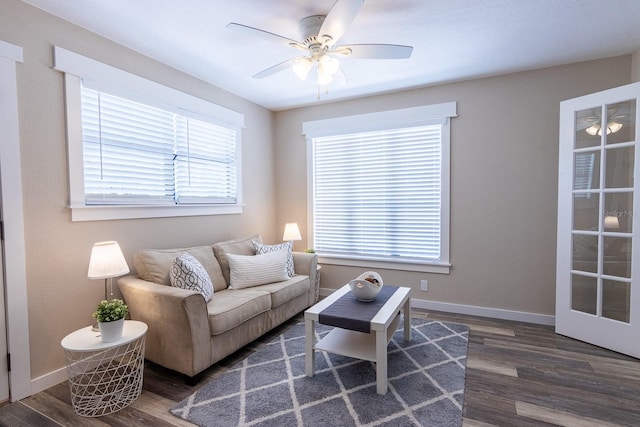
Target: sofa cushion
[
  {"x": 154, "y": 264},
  {"x": 253, "y": 270},
  {"x": 188, "y": 273},
  {"x": 238, "y": 246},
  {"x": 261, "y": 249},
  {"x": 231, "y": 308},
  {"x": 283, "y": 292}
]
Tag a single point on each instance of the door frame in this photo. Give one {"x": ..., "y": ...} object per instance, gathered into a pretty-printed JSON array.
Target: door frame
[
  {"x": 585, "y": 327},
  {"x": 17, "y": 318}
]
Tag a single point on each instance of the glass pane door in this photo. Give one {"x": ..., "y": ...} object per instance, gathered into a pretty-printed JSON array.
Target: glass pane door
[
  {"x": 598, "y": 249},
  {"x": 602, "y": 210}
]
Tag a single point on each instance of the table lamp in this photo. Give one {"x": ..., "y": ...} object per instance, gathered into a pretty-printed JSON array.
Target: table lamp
[
  {"x": 291, "y": 232},
  {"x": 107, "y": 262},
  {"x": 611, "y": 223}
]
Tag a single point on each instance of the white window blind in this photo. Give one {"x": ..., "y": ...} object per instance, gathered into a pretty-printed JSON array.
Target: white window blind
[
  {"x": 377, "y": 195},
  {"x": 140, "y": 149},
  {"x": 137, "y": 154},
  {"x": 583, "y": 176}
]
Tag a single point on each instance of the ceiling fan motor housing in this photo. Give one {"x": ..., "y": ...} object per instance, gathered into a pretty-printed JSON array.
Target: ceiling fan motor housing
[{"x": 309, "y": 28}]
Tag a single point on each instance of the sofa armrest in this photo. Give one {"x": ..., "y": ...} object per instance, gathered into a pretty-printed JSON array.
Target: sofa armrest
[
  {"x": 307, "y": 264},
  {"x": 178, "y": 335}
]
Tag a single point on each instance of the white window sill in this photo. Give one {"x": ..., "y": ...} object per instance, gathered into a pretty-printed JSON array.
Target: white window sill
[
  {"x": 103, "y": 213},
  {"x": 440, "y": 268}
]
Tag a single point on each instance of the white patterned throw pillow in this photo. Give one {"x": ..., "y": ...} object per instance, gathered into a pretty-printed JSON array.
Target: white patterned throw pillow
[
  {"x": 187, "y": 273},
  {"x": 254, "y": 270},
  {"x": 265, "y": 249}
]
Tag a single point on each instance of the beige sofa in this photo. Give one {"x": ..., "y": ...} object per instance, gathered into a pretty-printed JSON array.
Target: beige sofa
[{"x": 187, "y": 334}]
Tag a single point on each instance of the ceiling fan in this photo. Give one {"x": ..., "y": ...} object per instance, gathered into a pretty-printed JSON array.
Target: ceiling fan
[
  {"x": 617, "y": 115},
  {"x": 320, "y": 33}
]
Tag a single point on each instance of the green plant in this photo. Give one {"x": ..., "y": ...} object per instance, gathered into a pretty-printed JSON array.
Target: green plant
[
  {"x": 110, "y": 311},
  {"x": 310, "y": 251}
]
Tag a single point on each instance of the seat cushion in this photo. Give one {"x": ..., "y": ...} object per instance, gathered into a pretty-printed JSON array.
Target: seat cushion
[
  {"x": 283, "y": 292},
  {"x": 230, "y": 307}
]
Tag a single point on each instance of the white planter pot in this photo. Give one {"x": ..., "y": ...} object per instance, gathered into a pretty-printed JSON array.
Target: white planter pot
[{"x": 111, "y": 331}]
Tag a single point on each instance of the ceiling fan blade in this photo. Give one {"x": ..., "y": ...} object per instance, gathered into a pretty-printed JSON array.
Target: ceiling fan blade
[
  {"x": 266, "y": 35},
  {"x": 374, "y": 51},
  {"x": 275, "y": 69},
  {"x": 338, "y": 19}
]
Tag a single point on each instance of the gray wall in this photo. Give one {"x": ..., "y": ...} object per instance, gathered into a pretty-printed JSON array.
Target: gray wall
[
  {"x": 60, "y": 297},
  {"x": 504, "y": 155}
]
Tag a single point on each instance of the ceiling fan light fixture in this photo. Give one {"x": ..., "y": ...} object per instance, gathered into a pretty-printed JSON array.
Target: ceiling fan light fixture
[
  {"x": 301, "y": 67},
  {"x": 596, "y": 129},
  {"x": 323, "y": 78},
  {"x": 613, "y": 127},
  {"x": 329, "y": 65},
  {"x": 593, "y": 130}
]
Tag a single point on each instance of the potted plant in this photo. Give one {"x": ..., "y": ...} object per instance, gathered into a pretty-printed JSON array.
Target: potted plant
[{"x": 110, "y": 316}]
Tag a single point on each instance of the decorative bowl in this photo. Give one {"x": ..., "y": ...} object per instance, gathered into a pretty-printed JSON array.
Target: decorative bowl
[{"x": 366, "y": 290}]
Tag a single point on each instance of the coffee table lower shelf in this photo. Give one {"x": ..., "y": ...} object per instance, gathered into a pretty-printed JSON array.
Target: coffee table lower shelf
[{"x": 354, "y": 344}]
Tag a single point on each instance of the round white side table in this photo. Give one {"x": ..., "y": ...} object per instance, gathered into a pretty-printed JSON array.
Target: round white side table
[{"x": 104, "y": 377}]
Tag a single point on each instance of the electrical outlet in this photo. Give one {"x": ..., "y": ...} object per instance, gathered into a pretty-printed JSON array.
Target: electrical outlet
[{"x": 424, "y": 285}]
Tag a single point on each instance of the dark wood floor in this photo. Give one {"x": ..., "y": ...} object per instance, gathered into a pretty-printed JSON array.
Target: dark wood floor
[{"x": 518, "y": 374}]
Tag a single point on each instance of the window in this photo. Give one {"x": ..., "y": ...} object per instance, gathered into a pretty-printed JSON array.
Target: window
[
  {"x": 139, "y": 149},
  {"x": 380, "y": 188},
  {"x": 138, "y": 154}
]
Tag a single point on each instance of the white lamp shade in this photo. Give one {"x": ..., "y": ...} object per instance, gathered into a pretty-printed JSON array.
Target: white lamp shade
[
  {"x": 611, "y": 223},
  {"x": 107, "y": 261},
  {"x": 613, "y": 127},
  {"x": 291, "y": 232},
  {"x": 301, "y": 67},
  {"x": 329, "y": 65},
  {"x": 324, "y": 78}
]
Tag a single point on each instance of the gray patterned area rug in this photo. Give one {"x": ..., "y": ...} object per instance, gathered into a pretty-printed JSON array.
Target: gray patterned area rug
[{"x": 269, "y": 387}]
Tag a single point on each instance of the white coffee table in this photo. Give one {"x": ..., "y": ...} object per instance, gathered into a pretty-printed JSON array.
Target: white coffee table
[
  {"x": 105, "y": 377},
  {"x": 359, "y": 345}
]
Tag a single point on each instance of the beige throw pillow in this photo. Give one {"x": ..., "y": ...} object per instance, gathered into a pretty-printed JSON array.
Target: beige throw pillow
[{"x": 254, "y": 270}]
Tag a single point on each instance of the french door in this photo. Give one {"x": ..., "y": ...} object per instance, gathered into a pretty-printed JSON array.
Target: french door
[{"x": 598, "y": 259}]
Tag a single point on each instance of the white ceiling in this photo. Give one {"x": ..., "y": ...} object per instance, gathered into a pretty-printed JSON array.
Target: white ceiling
[{"x": 452, "y": 39}]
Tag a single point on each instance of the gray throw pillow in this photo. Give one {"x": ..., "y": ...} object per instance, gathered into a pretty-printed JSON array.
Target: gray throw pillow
[
  {"x": 265, "y": 249},
  {"x": 187, "y": 273}
]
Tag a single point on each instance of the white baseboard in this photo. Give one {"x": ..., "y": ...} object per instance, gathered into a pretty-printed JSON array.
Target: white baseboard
[
  {"x": 496, "y": 313},
  {"x": 48, "y": 380}
]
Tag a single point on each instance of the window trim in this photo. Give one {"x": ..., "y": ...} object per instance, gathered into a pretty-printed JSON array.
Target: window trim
[
  {"x": 406, "y": 117},
  {"x": 77, "y": 67}
]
